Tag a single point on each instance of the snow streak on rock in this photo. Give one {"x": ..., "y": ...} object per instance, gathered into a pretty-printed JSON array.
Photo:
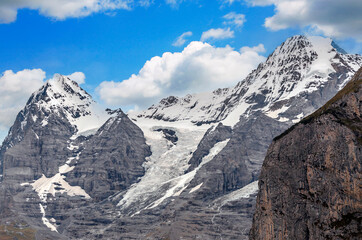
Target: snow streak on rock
[{"x": 57, "y": 185}]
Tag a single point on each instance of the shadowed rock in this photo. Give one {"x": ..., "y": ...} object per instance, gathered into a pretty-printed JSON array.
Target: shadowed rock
[{"x": 310, "y": 183}]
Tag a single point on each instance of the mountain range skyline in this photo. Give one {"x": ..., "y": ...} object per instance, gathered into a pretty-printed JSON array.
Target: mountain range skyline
[
  {"x": 185, "y": 167},
  {"x": 105, "y": 44}
]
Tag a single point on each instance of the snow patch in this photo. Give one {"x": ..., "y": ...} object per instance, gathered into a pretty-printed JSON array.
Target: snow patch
[
  {"x": 244, "y": 192},
  {"x": 44, "y": 122},
  {"x": 275, "y": 114},
  {"x": 234, "y": 115},
  {"x": 34, "y": 117},
  {"x": 45, "y": 220},
  {"x": 194, "y": 189},
  {"x": 298, "y": 118},
  {"x": 56, "y": 184}
]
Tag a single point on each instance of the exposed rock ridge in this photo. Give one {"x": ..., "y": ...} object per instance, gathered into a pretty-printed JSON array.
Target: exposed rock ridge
[
  {"x": 112, "y": 159},
  {"x": 310, "y": 183},
  {"x": 54, "y": 161},
  {"x": 299, "y": 66}
]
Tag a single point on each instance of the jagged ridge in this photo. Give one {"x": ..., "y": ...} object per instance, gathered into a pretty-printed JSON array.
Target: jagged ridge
[{"x": 301, "y": 65}]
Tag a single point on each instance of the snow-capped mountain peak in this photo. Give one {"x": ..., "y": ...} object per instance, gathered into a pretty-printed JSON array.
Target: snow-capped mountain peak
[
  {"x": 299, "y": 66},
  {"x": 63, "y": 96},
  {"x": 61, "y": 92},
  {"x": 59, "y": 100}
]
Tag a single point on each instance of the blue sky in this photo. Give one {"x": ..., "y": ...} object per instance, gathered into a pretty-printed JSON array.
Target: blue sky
[
  {"x": 107, "y": 47},
  {"x": 109, "y": 40}
]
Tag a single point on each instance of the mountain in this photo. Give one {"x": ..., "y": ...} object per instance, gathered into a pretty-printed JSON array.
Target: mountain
[
  {"x": 184, "y": 168},
  {"x": 57, "y": 112},
  {"x": 300, "y": 67},
  {"x": 310, "y": 183}
]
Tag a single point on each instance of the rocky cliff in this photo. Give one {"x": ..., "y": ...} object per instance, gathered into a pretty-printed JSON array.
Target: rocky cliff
[
  {"x": 63, "y": 153},
  {"x": 310, "y": 183}
]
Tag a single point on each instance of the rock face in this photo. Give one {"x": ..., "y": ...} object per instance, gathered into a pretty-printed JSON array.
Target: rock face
[
  {"x": 111, "y": 159},
  {"x": 185, "y": 168},
  {"x": 38, "y": 140},
  {"x": 310, "y": 183},
  {"x": 62, "y": 154}
]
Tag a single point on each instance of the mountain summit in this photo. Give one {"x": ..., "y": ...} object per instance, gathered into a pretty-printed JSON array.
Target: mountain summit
[{"x": 299, "y": 66}]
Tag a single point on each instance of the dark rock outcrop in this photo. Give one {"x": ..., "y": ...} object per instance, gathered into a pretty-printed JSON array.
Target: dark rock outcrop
[
  {"x": 238, "y": 164},
  {"x": 111, "y": 159},
  {"x": 310, "y": 183},
  {"x": 211, "y": 137}
]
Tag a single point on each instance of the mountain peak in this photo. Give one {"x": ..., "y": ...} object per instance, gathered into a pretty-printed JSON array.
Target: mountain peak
[
  {"x": 63, "y": 99},
  {"x": 302, "y": 65},
  {"x": 56, "y": 90}
]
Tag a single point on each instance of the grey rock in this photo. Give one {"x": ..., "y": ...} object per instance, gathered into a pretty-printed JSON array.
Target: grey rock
[
  {"x": 310, "y": 180},
  {"x": 112, "y": 159}
]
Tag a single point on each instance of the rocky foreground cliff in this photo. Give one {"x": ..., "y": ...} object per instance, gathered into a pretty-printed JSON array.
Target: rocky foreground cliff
[{"x": 310, "y": 183}]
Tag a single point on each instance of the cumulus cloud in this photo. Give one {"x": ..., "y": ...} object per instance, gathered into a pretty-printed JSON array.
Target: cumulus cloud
[
  {"x": 181, "y": 40},
  {"x": 333, "y": 18},
  {"x": 218, "y": 33},
  {"x": 15, "y": 89},
  {"x": 79, "y": 77},
  {"x": 199, "y": 67},
  {"x": 259, "y": 49},
  {"x": 233, "y": 18},
  {"x": 63, "y": 9},
  {"x": 60, "y": 9}
]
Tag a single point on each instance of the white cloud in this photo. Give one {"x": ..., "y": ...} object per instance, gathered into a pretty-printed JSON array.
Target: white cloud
[
  {"x": 218, "y": 33},
  {"x": 59, "y": 9},
  {"x": 234, "y": 19},
  {"x": 63, "y": 9},
  {"x": 174, "y": 3},
  {"x": 79, "y": 77},
  {"x": 261, "y": 2},
  {"x": 180, "y": 41},
  {"x": 145, "y": 3},
  {"x": 15, "y": 89},
  {"x": 259, "y": 49},
  {"x": 229, "y": 1},
  {"x": 199, "y": 67},
  {"x": 333, "y": 18}
]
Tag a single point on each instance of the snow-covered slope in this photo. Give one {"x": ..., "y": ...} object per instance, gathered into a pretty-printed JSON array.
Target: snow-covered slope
[
  {"x": 63, "y": 96},
  {"x": 301, "y": 65},
  {"x": 165, "y": 168},
  {"x": 59, "y": 98},
  {"x": 295, "y": 80}
]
